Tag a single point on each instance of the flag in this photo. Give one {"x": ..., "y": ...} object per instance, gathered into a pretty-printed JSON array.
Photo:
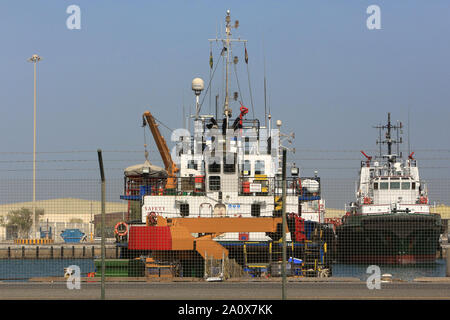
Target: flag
[
  {"x": 210, "y": 59},
  {"x": 246, "y": 56}
]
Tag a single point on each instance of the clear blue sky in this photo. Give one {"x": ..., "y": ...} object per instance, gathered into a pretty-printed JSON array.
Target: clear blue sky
[{"x": 329, "y": 77}]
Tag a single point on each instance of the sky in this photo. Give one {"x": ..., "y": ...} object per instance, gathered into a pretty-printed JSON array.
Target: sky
[{"x": 329, "y": 79}]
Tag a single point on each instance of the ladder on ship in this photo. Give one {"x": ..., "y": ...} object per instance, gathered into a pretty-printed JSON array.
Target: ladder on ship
[{"x": 314, "y": 260}]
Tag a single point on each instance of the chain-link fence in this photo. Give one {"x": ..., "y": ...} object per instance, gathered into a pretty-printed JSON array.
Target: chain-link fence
[{"x": 221, "y": 227}]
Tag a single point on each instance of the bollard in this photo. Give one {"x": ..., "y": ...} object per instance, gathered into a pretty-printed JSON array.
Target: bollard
[{"x": 447, "y": 258}]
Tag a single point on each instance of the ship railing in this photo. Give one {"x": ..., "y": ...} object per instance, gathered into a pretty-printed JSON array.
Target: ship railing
[
  {"x": 261, "y": 185},
  {"x": 258, "y": 185}
]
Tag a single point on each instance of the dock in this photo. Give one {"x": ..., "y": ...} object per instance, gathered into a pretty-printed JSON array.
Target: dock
[{"x": 58, "y": 251}]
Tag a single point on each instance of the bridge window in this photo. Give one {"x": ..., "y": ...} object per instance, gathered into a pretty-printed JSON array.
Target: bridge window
[
  {"x": 192, "y": 164},
  {"x": 246, "y": 168},
  {"x": 259, "y": 167},
  {"x": 246, "y": 145},
  {"x": 413, "y": 185},
  {"x": 229, "y": 164},
  {"x": 214, "y": 166},
  {"x": 375, "y": 186},
  {"x": 384, "y": 185},
  {"x": 395, "y": 185},
  {"x": 406, "y": 186}
]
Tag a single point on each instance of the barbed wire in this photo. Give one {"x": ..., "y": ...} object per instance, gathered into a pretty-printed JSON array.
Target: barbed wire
[
  {"x": 156, "y": 151},
  {"x": 106, "y": 168},
  {"x": 156, "y": 160}
]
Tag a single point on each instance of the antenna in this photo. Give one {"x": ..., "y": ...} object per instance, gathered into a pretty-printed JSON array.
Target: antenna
[
  {"x": 226, "y": 51},
  {"x": 409, "y": 142},
  {"x": 388, "y": 138},
  {"x": 265, "y": 88}
]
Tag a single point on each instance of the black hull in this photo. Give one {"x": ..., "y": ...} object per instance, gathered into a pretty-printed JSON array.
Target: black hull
[{"x": 389, "y": 239}]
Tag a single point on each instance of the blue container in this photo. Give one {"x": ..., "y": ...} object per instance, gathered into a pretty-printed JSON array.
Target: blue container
[
  {"x": 309, "y": 228},
  {"x": 47, "y": 233},
  {"x": 144, "y": 190},
  {"x": 72, "y": 235}
]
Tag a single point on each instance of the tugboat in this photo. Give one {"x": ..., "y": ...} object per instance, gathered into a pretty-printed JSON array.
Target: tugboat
[
  {"x": 220, "y": 193},
  {"x": 391, "y": 221}
]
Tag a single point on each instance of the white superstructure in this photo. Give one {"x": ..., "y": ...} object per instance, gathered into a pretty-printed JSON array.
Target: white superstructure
[
  {"x": 231, "y": 166},
  {"x": 390, "y": 184}
]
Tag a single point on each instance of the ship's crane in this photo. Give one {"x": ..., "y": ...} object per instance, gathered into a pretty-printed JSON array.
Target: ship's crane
[{"x": 164, "y": 151}]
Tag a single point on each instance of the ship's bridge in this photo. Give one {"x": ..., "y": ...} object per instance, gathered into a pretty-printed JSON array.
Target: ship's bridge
[{"x": 395, "y": 189}]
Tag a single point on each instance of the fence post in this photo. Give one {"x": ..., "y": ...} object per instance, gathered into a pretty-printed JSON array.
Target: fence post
[
  {"x": 102, "y": 176},
  {"x": 283, "y": 214},
  {"x": 447, "y": 254}
]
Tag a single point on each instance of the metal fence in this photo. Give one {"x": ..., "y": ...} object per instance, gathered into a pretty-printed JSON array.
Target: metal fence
[{"x": 192, "y": 235}]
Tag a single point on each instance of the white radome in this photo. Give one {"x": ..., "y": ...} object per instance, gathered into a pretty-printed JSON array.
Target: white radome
[
  {"x": 198, "y": 84},
  {"x": 311, "y": 185}
]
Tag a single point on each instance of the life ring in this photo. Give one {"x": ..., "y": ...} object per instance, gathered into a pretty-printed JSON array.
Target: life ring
[
  {"x": 423, "y": 200},
  {"x": 121, "y": 233},
  {"x": 367, "y": 200},
  {"x": 152, "y": 219}
]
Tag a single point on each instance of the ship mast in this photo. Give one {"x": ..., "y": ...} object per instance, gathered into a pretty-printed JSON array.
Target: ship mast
[
  {"x": 227, "y": 47},
  {"x": 388, "y": 138}
]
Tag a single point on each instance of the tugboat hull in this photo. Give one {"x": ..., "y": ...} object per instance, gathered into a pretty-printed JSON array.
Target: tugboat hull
[{"x": 389, "y": 239}]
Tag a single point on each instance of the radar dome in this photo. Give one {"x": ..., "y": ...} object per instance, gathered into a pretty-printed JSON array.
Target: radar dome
[
  {"x": 198, "y": 85},
  {"x": 311, "y": 186}
]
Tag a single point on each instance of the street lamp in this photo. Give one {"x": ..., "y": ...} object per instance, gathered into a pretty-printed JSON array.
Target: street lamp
[{"x": 35, "y": 59}]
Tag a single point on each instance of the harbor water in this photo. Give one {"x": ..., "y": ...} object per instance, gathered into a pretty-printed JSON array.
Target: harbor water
[{"x": 24, "y": 269}]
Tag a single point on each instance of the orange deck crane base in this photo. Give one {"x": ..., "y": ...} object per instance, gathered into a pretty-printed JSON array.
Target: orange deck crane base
[{"x": 181, "y": 230}]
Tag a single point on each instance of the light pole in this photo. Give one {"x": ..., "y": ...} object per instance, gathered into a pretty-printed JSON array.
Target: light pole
[{"x": 35, "y": 59}]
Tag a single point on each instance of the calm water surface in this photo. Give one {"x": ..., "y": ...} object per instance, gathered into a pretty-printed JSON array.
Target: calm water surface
[{"x": 21, "y": 270}]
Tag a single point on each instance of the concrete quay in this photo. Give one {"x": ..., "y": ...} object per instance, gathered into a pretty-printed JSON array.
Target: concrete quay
[{"x": 58, "y": 251}]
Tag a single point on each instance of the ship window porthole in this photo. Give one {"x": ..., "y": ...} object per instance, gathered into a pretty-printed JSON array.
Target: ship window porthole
[
  {"x": 214, "y": 183},
  {"x": 184, "y": 209},
  {"x": 255, "y": 210}
]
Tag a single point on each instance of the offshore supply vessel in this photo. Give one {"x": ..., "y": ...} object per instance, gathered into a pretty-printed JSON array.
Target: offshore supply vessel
[
  {"x": 391, "y": 221},
  {"x": 220, "y": 193}
]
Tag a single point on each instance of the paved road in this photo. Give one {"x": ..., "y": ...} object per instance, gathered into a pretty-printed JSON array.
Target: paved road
[{"x": 225, "y": 291}]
